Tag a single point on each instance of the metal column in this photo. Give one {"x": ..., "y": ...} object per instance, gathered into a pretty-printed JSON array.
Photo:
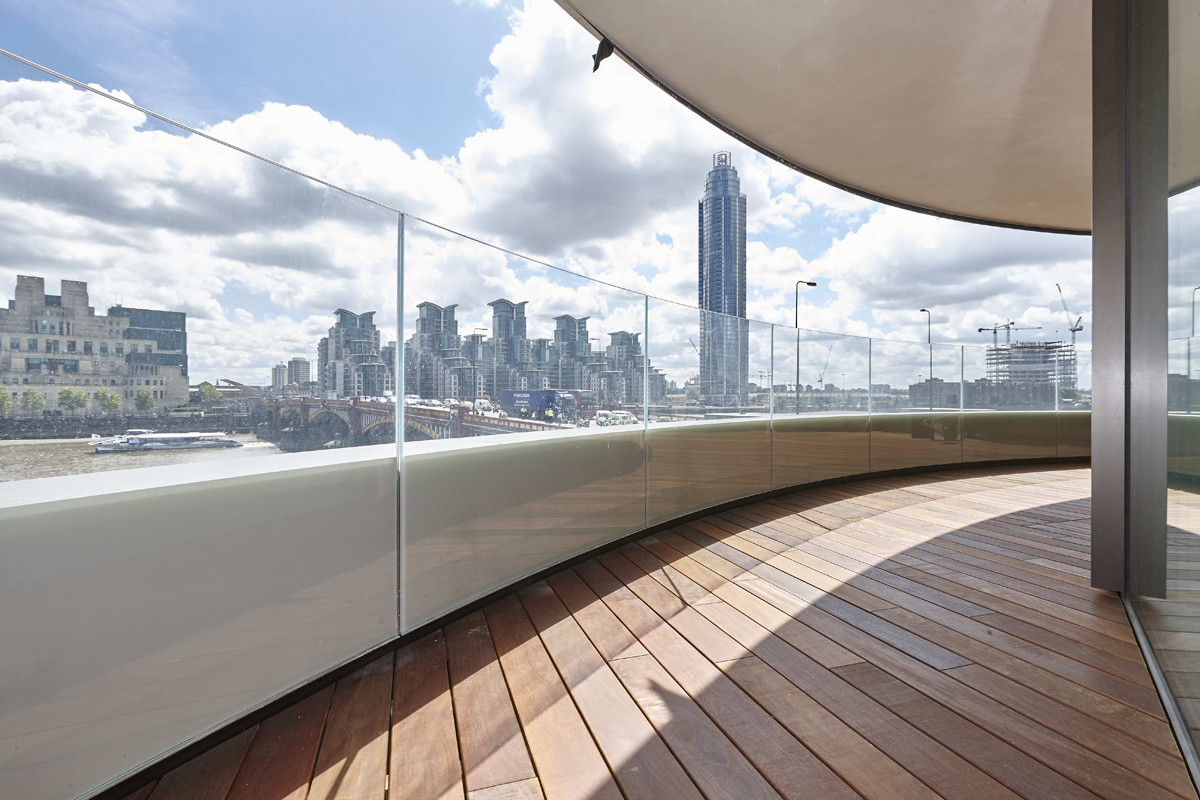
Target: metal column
[{"x": 1129, "y": 296}]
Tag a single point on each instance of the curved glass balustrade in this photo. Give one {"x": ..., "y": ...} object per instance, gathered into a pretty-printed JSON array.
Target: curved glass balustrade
[{"x": 148, "y": 598}]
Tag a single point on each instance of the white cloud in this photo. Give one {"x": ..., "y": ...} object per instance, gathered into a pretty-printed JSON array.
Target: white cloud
[
  {"x": 597, "y": 172},
  {"x": 969, "y": 276}
]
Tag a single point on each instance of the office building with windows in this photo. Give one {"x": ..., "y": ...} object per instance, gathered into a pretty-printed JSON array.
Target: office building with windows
[
  {"x": 54, "y": 341},
  {"x": 299, "y": 371},
  {"x": 349, "y": 363}
]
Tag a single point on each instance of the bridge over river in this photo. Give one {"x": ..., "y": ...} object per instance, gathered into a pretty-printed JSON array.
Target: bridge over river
[{"x": 308, "y": 423}]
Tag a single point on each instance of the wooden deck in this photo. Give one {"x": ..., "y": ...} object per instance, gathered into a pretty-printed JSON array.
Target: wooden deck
[{"x": 910, "y": 637}]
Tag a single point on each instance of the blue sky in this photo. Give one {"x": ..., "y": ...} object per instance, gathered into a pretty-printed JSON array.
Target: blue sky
[{"x": 406, "y": 71}]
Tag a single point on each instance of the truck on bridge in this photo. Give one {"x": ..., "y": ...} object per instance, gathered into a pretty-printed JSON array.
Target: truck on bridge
[{"x": 541, "y": 404}]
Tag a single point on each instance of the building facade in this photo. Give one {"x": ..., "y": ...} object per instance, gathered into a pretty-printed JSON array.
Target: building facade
[
  {"x": 724, "y": 333},
  {"x": 441, "y": 364},
  {"x": 166, "y": 329},
  {"x": 52, "y": 342},
  {"x": 299, "y": 371},
  {"x": 349, "y": 362}
]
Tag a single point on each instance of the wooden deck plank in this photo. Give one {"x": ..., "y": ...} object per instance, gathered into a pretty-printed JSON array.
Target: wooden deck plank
[
  {"x": 982, "y": 644},
  {"x": 209, "y": 775},
  {"x": 928, "y": 652},
  {"x": 671, "y": 547},
  {"x": 610, "y": 637},
  {"x": 718, "y": 768},
  {"x": 142, "y": 793},
  {"x": 1024, "y": 775},
  {"x": 352, "y": 761},
  {"x": 568, "y": 762},
  {"x": 925, "y": 758},
  {"x": 1068, "y": 758},
  {"x": 490, "y": 739},
  {"x": 1158, "y": 764},
  {"x": 424, "y": 761},
  {"x": 642, "y": 763},
  {"x": 867, "y": 769},
  {"x": 791, "y": 768},
  {"x": 279, "y": 764}
]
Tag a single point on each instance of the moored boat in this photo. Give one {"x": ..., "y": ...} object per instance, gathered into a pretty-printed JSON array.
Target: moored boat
[{"x": 152, "y": 442}]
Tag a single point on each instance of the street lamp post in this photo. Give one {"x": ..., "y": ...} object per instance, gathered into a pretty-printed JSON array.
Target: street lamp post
[
  {"x": 929, "y": 341},
  {"x": 1191, "y": 333},
  {"x": 796, "y": 325}
]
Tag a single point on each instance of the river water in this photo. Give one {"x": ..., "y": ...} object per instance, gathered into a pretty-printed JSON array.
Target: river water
[{"x": 44, "y": 458}]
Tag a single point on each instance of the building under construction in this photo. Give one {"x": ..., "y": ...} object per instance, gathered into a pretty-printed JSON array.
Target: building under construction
[{"x": 1044, "y": 363}]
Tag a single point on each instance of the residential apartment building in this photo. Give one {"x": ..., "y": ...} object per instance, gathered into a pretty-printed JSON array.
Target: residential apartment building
[
  {"x": 440, "y": 364},
  {"x": 725, "y": 334},
  {"x": 299, "y": 371},
  {"x": 349, "y": 362}
]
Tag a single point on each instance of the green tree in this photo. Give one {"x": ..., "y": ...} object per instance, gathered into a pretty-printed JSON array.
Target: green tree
[
  {"x": 5, "y": 401},
  {"x": 143, "y": 400},
  {"x": 692, "y": 395},
  {"x": 32, "y": 401},
  {"x": 108, "y": 400},
  {"x": 72, "y": 399},
  {"x": 208, "y": 394}
]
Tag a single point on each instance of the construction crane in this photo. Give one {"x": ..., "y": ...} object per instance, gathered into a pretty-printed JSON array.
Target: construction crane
[
  {"x": 1008, "y": 327},
  {"x": 1008, "y": 332},
  {"x": 1078, "y": 320},
  {"x": 693, "y": 344},
  {"x": 995, "y": 329},
  {"x": 821, "y": 377}
]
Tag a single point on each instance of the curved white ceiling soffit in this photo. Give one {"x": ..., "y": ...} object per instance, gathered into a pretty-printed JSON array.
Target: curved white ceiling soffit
[{"x": 974, "y": 110}]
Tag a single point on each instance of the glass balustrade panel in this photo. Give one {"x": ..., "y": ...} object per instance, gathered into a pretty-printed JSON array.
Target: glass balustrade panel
[
  {"x": 915, "y": 401},
  {"x": 193, "y": 517},
  {"x": 524, "y": 421},
  {"x": 1178, "y": 653},
  {"x": 1074, "y": 417},
  {"x": 820, "y": 427},
  {"x": 709, "y": 441},
  {"x": 1009, "y": 398}
]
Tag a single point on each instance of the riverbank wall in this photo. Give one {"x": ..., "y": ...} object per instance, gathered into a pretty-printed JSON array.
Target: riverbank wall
[{"x": 84, "y": 427}]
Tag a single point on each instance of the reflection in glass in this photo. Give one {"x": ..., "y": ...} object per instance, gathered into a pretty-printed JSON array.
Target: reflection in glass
[
  {"x": 822, "y": 396},
  {"x": 502, "y": 349},
  {"x": 707, "y": 447},
  {"x": 916, "y": 399},
  {"x": 173, "y": 284},
  {"x": 1168, "y": 622}
]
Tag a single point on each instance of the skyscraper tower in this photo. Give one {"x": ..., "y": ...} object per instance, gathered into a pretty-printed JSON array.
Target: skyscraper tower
[{"x": 724, "y": 340}]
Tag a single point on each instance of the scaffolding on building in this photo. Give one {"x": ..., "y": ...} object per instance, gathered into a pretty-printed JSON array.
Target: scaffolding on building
[{"x": 1051, "y": 363}]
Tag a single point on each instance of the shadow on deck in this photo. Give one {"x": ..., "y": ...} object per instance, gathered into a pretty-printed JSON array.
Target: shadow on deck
[{"x": 910, "y": 637}]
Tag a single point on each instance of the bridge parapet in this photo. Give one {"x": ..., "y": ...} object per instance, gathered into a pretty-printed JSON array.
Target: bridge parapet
[{"x": 362, "y": 416}]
